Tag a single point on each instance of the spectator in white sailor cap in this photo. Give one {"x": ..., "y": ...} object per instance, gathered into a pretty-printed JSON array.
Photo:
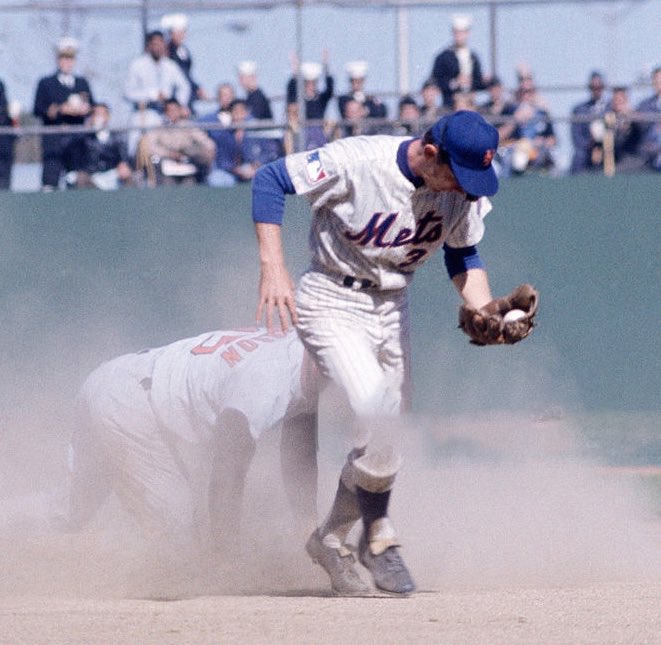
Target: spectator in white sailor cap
[
  {"x": 258, "y": 105},
  {"x": 175, "y": 26},
  {"x": 457, "y": 68},
  {"x": 67, "y": 46},
  {"x": 316, "y": 102},
  {"x": 357, "y": 73},
  {"x": 62, "y": 99}
]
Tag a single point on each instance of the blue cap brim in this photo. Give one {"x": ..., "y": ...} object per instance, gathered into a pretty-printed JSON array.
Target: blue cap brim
[{"x": 481, "y": 183}]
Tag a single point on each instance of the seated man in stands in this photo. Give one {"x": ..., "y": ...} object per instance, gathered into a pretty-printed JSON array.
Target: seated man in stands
[
  {"x": 355, "y": 121},
  {"x": 527, "y": 140},
  {"x": 311, "y": 137},
  {"x": 650, "y": 131},
  {"x": 625, "y": 132},
  {"x": 430, "y": 107},
  {"x": 497, "y": 104},
  {"x": 225, "y": 95},
  {"x": 587, "y": 127},
  {"x": 408, "y": 117},
  {"x": 105, "y": 163},
  {"x": 176, "y": 153},
  {"x": 240, "y": 151}
]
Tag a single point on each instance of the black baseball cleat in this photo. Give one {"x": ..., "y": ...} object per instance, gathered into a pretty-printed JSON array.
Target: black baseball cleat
[
  {"x": 387, "y": 568},
  {"x": 339, "y": 565}
]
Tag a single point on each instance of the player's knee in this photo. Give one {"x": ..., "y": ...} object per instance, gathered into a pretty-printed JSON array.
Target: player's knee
[
  {"x": 372, "y": 471},
  {"x": 383, "y": 400}
]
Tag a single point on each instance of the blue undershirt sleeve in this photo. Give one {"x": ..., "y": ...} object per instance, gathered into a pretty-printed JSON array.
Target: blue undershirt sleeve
[
  {"x": 269, "y": 186},
  {"x": 460, "y": 260}
]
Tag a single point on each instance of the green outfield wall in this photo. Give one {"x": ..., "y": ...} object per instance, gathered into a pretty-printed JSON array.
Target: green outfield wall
[{"x": 87, "y": 275}]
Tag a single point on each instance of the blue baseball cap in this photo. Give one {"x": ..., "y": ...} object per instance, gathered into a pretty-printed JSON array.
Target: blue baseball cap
[{"x": 471, "y": 144}]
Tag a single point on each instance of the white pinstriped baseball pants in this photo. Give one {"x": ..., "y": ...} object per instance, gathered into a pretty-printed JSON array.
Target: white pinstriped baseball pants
[{"x": 360, "y": 339}]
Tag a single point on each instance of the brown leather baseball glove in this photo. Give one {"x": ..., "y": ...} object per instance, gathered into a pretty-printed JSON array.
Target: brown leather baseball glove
[{"x": 485, "y": 326}]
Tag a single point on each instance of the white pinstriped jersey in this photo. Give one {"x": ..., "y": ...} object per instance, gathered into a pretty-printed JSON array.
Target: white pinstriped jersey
[
  {"x": 370, "y": 221},
  {"x": 192, "y": 381}
]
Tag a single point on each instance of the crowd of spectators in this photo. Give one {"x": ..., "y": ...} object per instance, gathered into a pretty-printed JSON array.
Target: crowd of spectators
[
  {"x": 607, "y": 132},
  {"x": 168, "y": 142}
]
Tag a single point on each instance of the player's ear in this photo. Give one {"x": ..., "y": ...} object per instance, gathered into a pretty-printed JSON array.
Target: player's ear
[{"x": 430, "y": 152}]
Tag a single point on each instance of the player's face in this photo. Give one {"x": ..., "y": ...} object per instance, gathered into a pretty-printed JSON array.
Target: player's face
[
  {"x": 441, "y": 179},
  {"x": 438, "y": 177}
]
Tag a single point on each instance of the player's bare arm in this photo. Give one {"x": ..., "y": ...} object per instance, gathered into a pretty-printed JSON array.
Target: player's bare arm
[
  {"x": 473, "y": 287},
  {"x": 276, "y": 289}
]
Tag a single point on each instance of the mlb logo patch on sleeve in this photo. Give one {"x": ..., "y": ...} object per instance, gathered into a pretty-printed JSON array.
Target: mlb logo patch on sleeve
[{"x": 314, "y": 168}]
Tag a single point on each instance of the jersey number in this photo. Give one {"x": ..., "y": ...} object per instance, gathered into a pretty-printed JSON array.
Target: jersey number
[{"x": 413, "y": 257}]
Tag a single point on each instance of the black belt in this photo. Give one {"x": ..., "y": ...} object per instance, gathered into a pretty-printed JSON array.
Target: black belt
[{"x": 357, "y": 283}]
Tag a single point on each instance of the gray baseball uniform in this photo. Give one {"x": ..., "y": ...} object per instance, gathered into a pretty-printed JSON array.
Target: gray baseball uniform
[{"x": 146, "y": 421}]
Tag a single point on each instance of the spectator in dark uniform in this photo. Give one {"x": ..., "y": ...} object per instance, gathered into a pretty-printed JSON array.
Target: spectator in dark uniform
[
  {"x": 650, "y": 133},
  {"x": 316, "y": 102},
  {"x": 8, "y": 118},
  {"x": 588, "y": 151},
  {"x": 105, "y": 157},
  {"x": 175, "y": 25},
  {"x": 258, "y": 104},
  {"x": 457, "y": 68},
  {"x": 62, "y": 99},
  {"x": 357, "y": 73}
]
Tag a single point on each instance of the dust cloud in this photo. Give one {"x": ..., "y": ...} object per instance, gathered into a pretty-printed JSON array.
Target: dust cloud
[
  {"x": 517, "y": 509},
  {"x": 486, "y": 499},
  {"x": 482, "y": 501},
  {"x": 510, "y": 501}
]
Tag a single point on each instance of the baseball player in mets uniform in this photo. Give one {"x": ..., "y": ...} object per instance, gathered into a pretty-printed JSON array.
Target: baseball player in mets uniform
[
  {"x": 172, "y": 431},
  {"x": 382, "y": 206}
]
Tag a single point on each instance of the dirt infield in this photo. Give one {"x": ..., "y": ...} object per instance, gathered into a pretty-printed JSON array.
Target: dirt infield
[
  {"x": 511, "y": 537},
  {"x": 100, "y": 587},
  {"x": 601, "y": 613}
]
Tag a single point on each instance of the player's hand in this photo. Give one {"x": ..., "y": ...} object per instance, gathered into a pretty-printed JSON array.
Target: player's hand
[
  {"x": 276, "y": 296},
  {"x": 503, "y": 321}
]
